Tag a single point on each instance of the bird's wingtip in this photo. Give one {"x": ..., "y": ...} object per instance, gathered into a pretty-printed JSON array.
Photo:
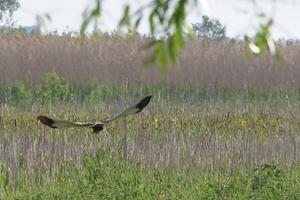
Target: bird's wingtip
[
  {"x": 46, "y": 121},
  {"x": 148, "y": 97},
  {"x": 143, "y": 103}
]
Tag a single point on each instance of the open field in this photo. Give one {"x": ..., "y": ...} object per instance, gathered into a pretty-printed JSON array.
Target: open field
[{"x": 221, "y": 126}]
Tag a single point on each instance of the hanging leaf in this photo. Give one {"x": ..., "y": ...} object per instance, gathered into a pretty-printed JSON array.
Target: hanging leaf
[{"x": 90, "y": 15}]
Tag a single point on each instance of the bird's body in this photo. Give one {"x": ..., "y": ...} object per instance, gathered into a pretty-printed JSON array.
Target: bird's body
[{"x": 96, "y": 126}]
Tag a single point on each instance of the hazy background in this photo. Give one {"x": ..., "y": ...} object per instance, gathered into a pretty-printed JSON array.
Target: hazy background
[{"x": 237, "y": 15}]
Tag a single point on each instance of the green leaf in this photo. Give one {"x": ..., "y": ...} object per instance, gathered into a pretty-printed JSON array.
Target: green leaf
[
  {"x": 137, "y": 22},
  {"x": 90, "y": 15},
  {"x": 125, "y": 20},
  {"x": 175, "y": 43}
]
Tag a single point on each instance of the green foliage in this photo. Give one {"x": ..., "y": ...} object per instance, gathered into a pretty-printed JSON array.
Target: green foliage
[
  {"x": 209, "y": 28},
  {"x": 165, "y": 48},
  {"x": 8, "y": 7},
  {"x": 166, "y": 22},
  {"x": 268, "y": 182},
  {"x": 20, "y": 94},
  {"x": 91, "y": 15},
  {"x": 17, "y": 94},
  {"x": 112, "y": 177},
  {"x": 54, "y": 89},
  {"x": 263, "y": 40},
  {"x": 106, "y": 177}
]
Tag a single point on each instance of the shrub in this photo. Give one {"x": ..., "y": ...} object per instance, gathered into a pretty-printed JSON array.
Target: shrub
[{"x": 54, "y": 89}]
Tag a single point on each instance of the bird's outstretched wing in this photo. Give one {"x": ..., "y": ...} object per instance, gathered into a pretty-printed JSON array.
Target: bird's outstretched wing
[
  {"x": 55, "y": 123},
  {"x": 97, "y": 127},
  {"x": 131, "y": 110}
]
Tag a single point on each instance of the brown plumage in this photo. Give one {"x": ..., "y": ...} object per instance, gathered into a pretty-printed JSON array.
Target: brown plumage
[
  {"x": 46, "y": 120},
  {"x": 96, "y": 126}
]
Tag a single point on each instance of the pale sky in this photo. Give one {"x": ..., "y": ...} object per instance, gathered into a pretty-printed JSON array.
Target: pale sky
[{"x": 237, "y": 15}]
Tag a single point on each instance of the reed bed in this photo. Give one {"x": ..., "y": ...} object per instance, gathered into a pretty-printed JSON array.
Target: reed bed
[
  {"x": 186, "y": 139},
  {"x": 111, "y": 58}
]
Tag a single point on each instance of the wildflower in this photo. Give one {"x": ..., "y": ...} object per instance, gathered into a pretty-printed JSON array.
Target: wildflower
[
  {"x": 155, "y": 122},
  {"x": 243, "y": 123}
]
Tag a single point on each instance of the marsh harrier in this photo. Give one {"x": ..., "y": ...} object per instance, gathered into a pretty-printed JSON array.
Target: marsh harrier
[{"x": 96, "y": 126}]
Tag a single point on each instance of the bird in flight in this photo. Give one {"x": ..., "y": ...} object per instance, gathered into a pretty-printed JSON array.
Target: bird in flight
[{"x": 96, "y": 126}]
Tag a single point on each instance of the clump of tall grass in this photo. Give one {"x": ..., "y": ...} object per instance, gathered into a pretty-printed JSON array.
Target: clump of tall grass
[{"x": 112, "y": 177}]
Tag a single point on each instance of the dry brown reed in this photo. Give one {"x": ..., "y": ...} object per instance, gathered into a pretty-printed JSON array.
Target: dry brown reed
[{"x": 111, "y": 58}]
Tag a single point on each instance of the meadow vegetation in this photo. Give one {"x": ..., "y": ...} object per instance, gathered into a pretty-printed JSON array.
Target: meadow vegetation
[{"x": 221, "y": 125}]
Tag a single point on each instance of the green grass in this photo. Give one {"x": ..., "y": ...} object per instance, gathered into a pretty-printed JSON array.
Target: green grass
[
  {"x": 112, "y": 177},
  {"x": 54, "y": 91}
]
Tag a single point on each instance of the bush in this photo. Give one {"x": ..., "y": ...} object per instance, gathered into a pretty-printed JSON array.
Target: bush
[{"x": 54, "y": 89}]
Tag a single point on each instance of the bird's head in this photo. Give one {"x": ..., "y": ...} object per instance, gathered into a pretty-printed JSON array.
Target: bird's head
[{"x": 97, "y": 127}]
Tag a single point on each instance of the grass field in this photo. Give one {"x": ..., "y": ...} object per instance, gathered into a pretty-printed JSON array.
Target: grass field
[{"x": 210, "y": 132}]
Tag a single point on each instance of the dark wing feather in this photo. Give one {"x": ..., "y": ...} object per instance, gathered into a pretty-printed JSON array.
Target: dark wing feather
[
  {"x": 55, "y": 123},
  {"x": 131, "y": 110}
]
